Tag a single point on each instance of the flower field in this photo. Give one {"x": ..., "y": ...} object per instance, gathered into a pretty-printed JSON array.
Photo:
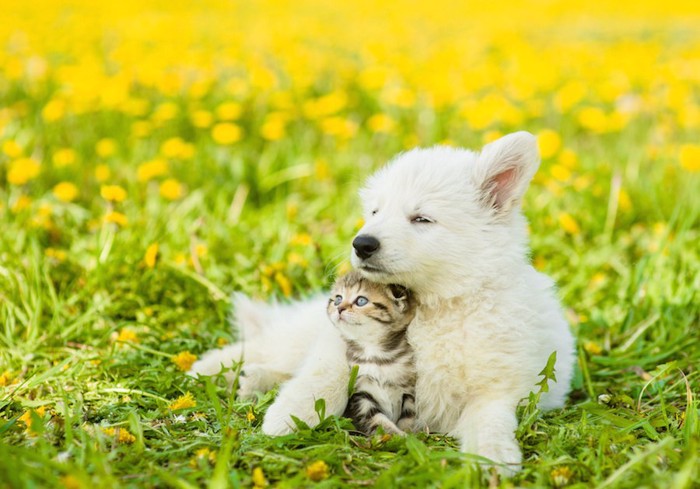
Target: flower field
[{"x": 157, "y": 156}]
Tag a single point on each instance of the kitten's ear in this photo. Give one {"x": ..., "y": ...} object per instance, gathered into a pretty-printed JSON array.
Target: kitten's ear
[
  {"x": 504, "y": 170},
  {"x": 399, "y": 292}
]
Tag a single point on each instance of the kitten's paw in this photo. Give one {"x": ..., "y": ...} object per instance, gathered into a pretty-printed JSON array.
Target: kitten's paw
[{"x": 250, "y": 381}]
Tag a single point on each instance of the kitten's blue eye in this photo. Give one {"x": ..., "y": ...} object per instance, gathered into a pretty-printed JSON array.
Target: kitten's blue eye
[
  {"x": 338, "y": 300},
  {"x": 361, "y": 301}
]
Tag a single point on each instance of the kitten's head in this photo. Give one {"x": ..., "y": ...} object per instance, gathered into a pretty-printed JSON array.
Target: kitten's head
[{"x": 357, "y": 304}]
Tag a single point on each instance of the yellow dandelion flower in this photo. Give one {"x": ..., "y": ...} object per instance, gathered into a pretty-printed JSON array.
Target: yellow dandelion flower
[
  {"x": 64, "y": 157},
  {"x": 561, "y": 476},
  {"x": 226, "y": 133},
  {"x": 23, "y": 170},
  {"x": 21, "y": 203},
  {"x": 568, "y": 158},
  {"x": 183, "y": 402},
  {"x": 66, "y": 191},
  {"x": 127, "y": 335},
  {"x": 114, "y": 217},
  {"x": 58, "y": 255},
  {"x": 592, "y": 347},
  {"x": 151, "y": 255},
  {"x": 113, "y": 193},
  {"x": 5, "y": 378},
  {"x": 274, "y": 126},
  {"x": 102, "y": 173},
  {"x": 490, "y": 136},
  {"x": 71, "y": 482},
  {"x": 222, "y": 342},
  {"x": 121, "y": 434},
  {"x": 171, "y": 189},
  {"x": 560, "y": 173},
  {"x": 165, "y": 112},
  {"x": 11, "y": 149},
  {"x": 568, "y": 223},
  {"x": 172, "y": 148},
  {"x": 106, "y": 147},
  {"x": 284, "y": 284},
  {"x": 690, "y": 157},
  {"x": 229, "y": 111},
  {"x": 317, "y": 471},
  {"x": 151, "y": 169},
  {"x": 339, "y": 127},
  {"x": 201, "y": 250},
  {"x": 203, "y": 454},
  {"x": 202, "y": 119},
  {"x": 296, "y": 259},
  {"x": 549, "y": 142},
  {"x": 593, "y": 119},
  {"x": 259, "y": 479},
  {"x": 250, "y": 416},
  {"x": 184, "y": 360},
  {"x": 26, "y": 418},
  {"x": 301, "y": 239},
  {"x": 54, "y": 110},
  {"x": 141, "y": 129},
  {"x": 381, "y": 123}
]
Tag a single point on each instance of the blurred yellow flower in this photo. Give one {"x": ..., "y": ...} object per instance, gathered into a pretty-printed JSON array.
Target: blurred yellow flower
[
  {"x": 171, "y": 189},
  {"x": 381, "y": 123},
  {"x": 317, "y": 471},
  {"x": 250, "y": 416},
  {"x": 284, "y": 283},
  {"x": 141, "y": 129},
  {"x": 549, "y": 143},
  {"x": 116, "y": 218},
  {"x": 568, "y": 223},
  {"x": 11, "y": 149},
  {"x": 151, "y": 255},
  {"x": 202, "y": 119},
  {"x": 102, "y": 173},
  {"x": 165, "y": 112},
  {"x": 5, "y": 378},
  {"x": 561, "y": 476},
  {"x": 568, "y": 158},
  {"x": 258, "y": 477},
  {"x": 122, "y": 434},
  {"x": 593, "y": 119},
  {"x": 560, "y": 173},
  {"x": 64, "y": 157},
  {"x": 229, "y": 111},
  {"x": 66, "y": 191},
  {"x": 23, "y": 170},
  {"x": 113, "y": 193},
  {"x": 690, "y": 157},
  {"x": 183, "y": 402},
  {"x": 54, "y": 110},
  {"x": 184, "y": 360},
  {"x": 339, "y": 127},
  {"x": 151, "y": 169},
  {"x": 58, "y": 255},
  {"x": 106, "y": 147},
  {"x": 273, "y": 128},
  {"x": 21, "y": 203},
  {"x": 127, "y": 335},
  {"x": 26, "y": 418},
  {"x": 203, "y": 454},
  {"x": 175, "y": 148},
  {"x": 226, "y": 133}
]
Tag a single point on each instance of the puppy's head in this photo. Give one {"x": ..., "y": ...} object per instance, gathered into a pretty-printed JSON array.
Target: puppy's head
[{"x": 442, "y": 220}]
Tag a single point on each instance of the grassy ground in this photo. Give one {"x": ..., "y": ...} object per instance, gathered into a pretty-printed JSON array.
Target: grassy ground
[{"x": 155, "y": 158}]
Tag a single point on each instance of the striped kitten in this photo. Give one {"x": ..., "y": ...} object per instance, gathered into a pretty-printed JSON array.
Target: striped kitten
[{"x": 372, "y": 319}]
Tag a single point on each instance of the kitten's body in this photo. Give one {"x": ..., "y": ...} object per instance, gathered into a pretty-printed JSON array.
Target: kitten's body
[{"x": 372, "y": 319}]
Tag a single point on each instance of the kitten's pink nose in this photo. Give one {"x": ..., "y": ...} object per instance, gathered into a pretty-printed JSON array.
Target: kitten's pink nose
[{"x": 341, "y": 309}]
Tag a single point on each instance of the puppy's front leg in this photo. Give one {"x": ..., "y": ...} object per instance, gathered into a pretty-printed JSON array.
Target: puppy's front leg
[
  {"x": 486, "y": 427},
  {"x": 323, "y": 375}
]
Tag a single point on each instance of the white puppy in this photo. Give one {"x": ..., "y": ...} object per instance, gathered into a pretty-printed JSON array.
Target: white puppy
[{"x": 446, "y": 223}]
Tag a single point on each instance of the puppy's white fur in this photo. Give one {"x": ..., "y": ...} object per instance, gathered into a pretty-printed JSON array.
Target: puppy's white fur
[{"x": 450, "y": 228}]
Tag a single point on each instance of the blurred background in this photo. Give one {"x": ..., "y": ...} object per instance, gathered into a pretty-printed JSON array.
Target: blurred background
[{"x": 157, "y": 155}]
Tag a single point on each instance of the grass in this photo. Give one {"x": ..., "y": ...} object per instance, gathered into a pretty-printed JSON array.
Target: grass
[{"x": 101, "y": 296}]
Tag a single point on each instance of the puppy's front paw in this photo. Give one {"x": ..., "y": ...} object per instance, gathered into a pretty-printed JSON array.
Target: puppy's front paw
[
  {"x": 505, "y": 454},
  {"x": 276, "y": 423}
]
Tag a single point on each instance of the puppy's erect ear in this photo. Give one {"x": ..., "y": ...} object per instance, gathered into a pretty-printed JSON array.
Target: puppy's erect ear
[{"x": 504, "y": 170}]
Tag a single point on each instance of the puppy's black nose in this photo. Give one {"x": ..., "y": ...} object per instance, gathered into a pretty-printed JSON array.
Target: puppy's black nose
[{"x": 365, "y": 246}]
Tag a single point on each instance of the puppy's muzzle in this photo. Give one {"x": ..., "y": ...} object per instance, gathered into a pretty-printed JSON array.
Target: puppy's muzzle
[{"x": 365, "y": 246}]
